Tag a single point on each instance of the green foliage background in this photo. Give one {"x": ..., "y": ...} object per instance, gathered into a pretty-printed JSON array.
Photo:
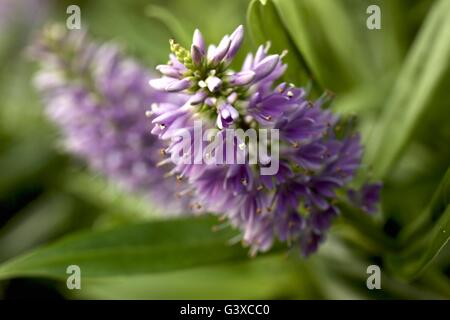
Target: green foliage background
[{"x": 54, "y": 213}]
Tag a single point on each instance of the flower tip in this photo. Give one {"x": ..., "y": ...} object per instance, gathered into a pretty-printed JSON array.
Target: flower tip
[
  {"x": 221, "y": 51},
  {"x": 238, "y": 32},
  {"x": 197, "y": 40},
  {"x": 236, "y": 39},
  {"x": 266, "y": 66}
]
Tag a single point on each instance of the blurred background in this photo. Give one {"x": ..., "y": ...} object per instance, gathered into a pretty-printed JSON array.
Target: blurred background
[{"x": 46, "y": 193}]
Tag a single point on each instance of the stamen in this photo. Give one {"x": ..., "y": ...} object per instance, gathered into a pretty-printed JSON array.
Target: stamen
[
  {"x": 219, "y": 227},
  {"x": 169, "y": 174},
  {"x": 235, "y": 240},
  {"x": 184, "y": 192},
  {"x": 163, "y": 162}
]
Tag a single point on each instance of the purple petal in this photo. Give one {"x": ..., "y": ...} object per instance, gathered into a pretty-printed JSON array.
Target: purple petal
[
  {"x": 242, "y": 78},
  {"x": 161, "y": 83},
  {"x": 198, "y": 41},
  {"x": 219, "y": 122},
  {"x": 266, "y": 66},
  {"x": 229, "y": 111},
  {"x": 197, "y": 98},
  {"x": 236, "y": 40},
  {"x": 232, "y": 97},
  {"x": 169, "y": 71},
  {"x": 221, "y": 50},
  {"x": 213, "y": 83},
  {"x": 178, "y": 85}
]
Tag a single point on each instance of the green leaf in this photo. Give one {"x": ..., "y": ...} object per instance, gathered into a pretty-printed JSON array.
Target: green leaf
[
  {"x": 170, "y": 21},
  {"x": 28, "y": 160},
  {"x": 426, "y": 237},
  {"x": 263, "y": 278},
  {"x": 421, "y": 75},
  {"x": 137, "y": 249},
  {"x": 265, "y": 24},
  {"x": 427, "y": 219},
  {"x": 338, "y": 47},
  {"x": 361, "y": 228},
  {"x": 420, "y": 255},
  {"x": 128, "y": 25}
]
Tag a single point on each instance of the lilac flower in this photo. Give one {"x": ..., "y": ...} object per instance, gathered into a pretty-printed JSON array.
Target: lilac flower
[
  {"x": 98, "y": 98},
  {"x": 317, "y": 157}
]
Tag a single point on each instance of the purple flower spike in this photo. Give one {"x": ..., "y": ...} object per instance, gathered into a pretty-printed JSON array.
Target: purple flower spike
[
  {"x": 99, "y": 106},
  {"x": 295, "y": 204}
]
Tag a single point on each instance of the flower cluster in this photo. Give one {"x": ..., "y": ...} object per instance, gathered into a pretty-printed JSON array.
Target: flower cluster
[
  {"x": 317, "y": 154},
  {"x": 98, "y": 99}
]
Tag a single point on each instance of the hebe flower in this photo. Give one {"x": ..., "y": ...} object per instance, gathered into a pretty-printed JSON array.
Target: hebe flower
[
  {"x": 318, "y": 153},
  {"x": 98, "y": 98}
]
